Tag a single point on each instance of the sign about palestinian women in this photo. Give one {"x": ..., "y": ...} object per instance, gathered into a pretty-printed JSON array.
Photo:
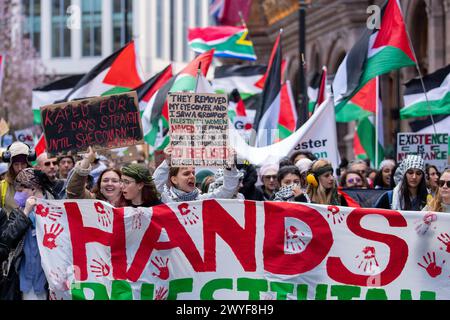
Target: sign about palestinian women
[
  {"x": 234, "y": 249},
  {"x": 433, "y": 148},
  {"x": 102, "y": 122},
  {"x": 198, "y": 128}
]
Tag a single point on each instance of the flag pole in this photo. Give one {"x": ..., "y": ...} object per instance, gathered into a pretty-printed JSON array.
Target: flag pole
[
  {"x": 242, "y": 19},
  {"x": 376, "y": 121},
  {"x": 421, "y": 80}
]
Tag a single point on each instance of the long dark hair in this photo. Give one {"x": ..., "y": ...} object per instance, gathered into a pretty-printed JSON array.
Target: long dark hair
[
  {"x": 422, "y": 192},
  {"x": 96, "y": 189}
]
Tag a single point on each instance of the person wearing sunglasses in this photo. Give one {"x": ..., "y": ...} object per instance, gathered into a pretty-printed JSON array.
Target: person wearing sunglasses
[
  {"x": 353, "y": 180},
  {"x": 411, "y": 191},
  {"x": 441, "y": 202},
  {"x": 268, "y": 175},
  {"x": 49, "y": 166}
]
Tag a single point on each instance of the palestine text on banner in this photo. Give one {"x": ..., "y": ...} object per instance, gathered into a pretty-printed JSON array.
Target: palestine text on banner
[
  {"x": 103, "y": 123},
  {"x": 241, "y": 250}
]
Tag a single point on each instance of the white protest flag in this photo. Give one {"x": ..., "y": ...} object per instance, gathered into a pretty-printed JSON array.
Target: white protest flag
[
  {"x": 317, "y": 135},
  {"x": 224, "y": 249}
]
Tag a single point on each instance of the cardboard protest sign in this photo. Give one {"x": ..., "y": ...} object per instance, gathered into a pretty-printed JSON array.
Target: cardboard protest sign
[
  {"x": 198, "y": 127},
  {"x": 230, "y": 249},
  {"x": 4, "y": 127},
  {"x": 433, "y": 148},
  {"x": 102, "y": 122}
]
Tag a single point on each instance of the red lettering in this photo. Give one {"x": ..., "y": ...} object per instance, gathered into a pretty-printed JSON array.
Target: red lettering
[
  {"x": 217, "y": 221},
  {"x": 47, "y": 120},
  {"x": 81, "y": 235},
  {"x": 122, "y": 104},
  {"x": 397, "y": 246},
  {"x": 275, "y": 260},
  {"x": 164, "y": 218}
]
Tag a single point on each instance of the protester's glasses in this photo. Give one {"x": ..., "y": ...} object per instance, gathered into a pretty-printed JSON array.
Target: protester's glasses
[
  {"x": 48, "y": 163},
  {"x": 270, "y": 177},
  {"x": 126, "y": 182},
  {"x": 442, "y": 182},
  {"x": 354, "y": 180}
]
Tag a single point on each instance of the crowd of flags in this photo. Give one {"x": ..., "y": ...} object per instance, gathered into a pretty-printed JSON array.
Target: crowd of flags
[{"x": 260, "y": 96}]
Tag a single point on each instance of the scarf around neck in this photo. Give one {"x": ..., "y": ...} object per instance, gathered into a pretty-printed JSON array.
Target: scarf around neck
[{"x": 182, "y": 196}]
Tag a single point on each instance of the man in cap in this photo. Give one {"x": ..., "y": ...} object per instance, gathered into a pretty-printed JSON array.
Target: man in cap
[{"x": 19, "y": 155}]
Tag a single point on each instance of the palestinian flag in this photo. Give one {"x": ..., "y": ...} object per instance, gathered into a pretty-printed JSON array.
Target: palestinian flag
[
  {"x": 287, "y": 119},
  {"x": 377, "y": 52},
  {"x": 52, "y": 92},
  {"x": 266, "y": 118},
  {"x": 156, "y": 114},
  {"x": 148, "y": 88},
  {"x": 228, "y": 42},
  {"x": 369, "y": 130},
  {"x": 118, "y": 73},
  {"x": 241, "y": 77},
  {"x": 437, "y": 86},
  {"x": 317, "y": 91},
  {"x": 361, "y": 105}
]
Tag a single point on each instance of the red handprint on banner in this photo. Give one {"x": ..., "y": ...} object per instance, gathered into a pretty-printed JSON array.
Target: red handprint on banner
[
  {"x": 445, "y": 239},
  {"x": 103, "y": 214},
  {"x": 51, "y": 212},
  {"x": 430, "y": 265},
  {"x": 52, "y": 296},
  {"x": 293, "y": 242},
  {"x": 101, "y": 268},
  {"x": 187, "y": 214},
  {"x": 161, "y": 293},
  {"x": 424, "y": 224},
  {"x": 51, "y": 235},
  {"x": 161, "y": 265},
  {"x": 58, "y": 279},
  {"x": 369, "y": 261},
  {"x": 336, "y": 214},
  {"x": 137, "y": 219}
]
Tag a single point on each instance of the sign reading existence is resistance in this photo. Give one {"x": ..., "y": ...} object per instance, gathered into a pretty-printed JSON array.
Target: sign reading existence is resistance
[
  {"x": 198, "y": 127},
  {"x": 102, "y": 122},
  {"x": 229, "y": 249}
]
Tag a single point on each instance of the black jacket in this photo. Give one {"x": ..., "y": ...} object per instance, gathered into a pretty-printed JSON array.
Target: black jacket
[{"x": 12, "y": 230}]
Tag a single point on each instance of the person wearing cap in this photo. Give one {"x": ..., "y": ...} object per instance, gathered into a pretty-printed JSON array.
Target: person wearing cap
[
  {"x": 383, "y": 177},
  {"x": 411, "y": 191},
  {"x": 303, "y": 165},
  {"x": 108, "y": 186},
  {"x": 177, "y": 184},
  {"x": 138, "y": 186},
  {"x": 201, "y": 175},
  {"x": 65, "y": 163},
  {"x": 268, "y": 175},
  {"x": 19, "y": 160}
]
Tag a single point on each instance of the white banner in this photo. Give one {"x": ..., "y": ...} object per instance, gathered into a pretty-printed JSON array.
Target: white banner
[
  {"x": 318, "y": 135},
  {"x": 232, "y": 249}
]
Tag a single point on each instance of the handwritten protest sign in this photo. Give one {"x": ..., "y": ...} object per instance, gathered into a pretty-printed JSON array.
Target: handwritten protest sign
[
  {"x": 432, "y": 147},
  {"x": 229, "y": 249},
  {"x": 198, "y": 126},
  {"x": 102, "y": 122}
]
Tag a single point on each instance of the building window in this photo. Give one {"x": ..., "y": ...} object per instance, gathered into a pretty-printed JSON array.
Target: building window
[
  {"x": 32, "y": 22},
  {"x": 160, "y": 29},
  {"x": 92, "y": 28},
  {"x": 198, "y": 13},
  {"x": 185, "y": 30},
  {"x": 60, "y": 32},
  {"x": 122, "y": 31}
]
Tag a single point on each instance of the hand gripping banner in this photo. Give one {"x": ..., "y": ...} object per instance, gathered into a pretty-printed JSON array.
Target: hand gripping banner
[{"x": 233, "y": 249}]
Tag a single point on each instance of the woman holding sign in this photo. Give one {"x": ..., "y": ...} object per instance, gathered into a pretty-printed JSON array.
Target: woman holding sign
[
  {"x": 107, "y": 188},
  {"x": 177, "y": 184}
]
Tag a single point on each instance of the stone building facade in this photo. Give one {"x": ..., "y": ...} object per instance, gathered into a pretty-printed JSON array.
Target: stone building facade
[{"x": 333, "y": 27}]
